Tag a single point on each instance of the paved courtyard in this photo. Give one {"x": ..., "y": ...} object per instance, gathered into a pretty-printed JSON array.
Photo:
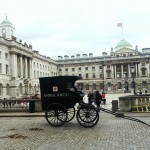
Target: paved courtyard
[{"x": 111, "y": 133}]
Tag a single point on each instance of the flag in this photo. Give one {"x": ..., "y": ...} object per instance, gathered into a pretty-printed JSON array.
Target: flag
[{"x": 119, "y": 24}]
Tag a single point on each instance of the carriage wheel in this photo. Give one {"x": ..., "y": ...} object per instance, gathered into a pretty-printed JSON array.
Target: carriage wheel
[
  {"x": 56, "y": 114},
  {"x": 71, "y": 114},
  {"x": 87, "y": 116}
]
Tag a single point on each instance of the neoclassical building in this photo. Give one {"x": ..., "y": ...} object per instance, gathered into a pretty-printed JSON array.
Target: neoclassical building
[{"x": 21, "y": 67}]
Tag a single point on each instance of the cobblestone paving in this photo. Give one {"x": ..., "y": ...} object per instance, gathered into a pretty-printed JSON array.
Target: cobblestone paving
[{"x": 111, "y": 133}]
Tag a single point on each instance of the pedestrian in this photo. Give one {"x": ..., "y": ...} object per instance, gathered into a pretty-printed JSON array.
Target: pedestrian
[
  {"x": 90, "y": 97},
  {"x": 98, "y": 100},
  {"x": 104, "y": 98}
]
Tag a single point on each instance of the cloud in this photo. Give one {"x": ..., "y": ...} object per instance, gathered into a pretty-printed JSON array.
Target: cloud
[{"x": 60, "y": 27}]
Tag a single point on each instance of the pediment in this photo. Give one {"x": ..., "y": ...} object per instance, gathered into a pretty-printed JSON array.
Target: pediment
[{"x": 124, "y": 50}]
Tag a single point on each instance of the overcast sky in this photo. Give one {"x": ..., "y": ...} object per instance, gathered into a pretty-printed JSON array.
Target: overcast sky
[{"x": 69, "y": 27}]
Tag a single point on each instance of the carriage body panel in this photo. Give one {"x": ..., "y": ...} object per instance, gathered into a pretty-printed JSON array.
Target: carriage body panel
[{"x": 57, "y": 90}]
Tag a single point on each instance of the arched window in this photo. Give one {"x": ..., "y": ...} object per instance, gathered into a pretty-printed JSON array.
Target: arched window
[
  {"x": 87, "y": 86},
  {"x": 144, "y": 84},
  {"x": 94, "y": 86},
  {"x": 119, "y": 85},
  {"x": 124, "y": 55},
  {"x": 7, "y": 89},
  {"x": 30, "y": 88},
  {"x": 4, "y": 33},
  {"x": 109, "y": 84},
  {"x": 20, "y": 88},
  {"x": 101, "y": 86}
]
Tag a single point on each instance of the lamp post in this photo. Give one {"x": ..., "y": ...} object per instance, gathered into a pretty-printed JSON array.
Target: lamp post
[{"x": 132, "y": 69}]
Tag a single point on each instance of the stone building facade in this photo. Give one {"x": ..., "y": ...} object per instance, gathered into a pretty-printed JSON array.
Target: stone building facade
[{"x": 21, "y": 67}]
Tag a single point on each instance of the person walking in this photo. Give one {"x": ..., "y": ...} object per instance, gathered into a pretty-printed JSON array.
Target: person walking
[
  {"x": 104, "y": 98},
  {"x": 98, "y": 100},
  {"x": 90, "y": 97}
]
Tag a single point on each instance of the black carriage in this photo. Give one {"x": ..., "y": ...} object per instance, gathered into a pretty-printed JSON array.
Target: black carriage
[{"x": 59, "y": 97}]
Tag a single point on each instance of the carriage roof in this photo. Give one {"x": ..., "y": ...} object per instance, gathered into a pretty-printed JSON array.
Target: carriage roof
[{"x": 47, "y": 84}]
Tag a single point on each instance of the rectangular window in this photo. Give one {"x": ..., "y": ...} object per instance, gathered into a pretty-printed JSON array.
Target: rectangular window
[
  {"x": 38, "y": 74},
  {"x": 93, "y": 68},
  {"x": 34, "y": 74},
  {"x": 143, "y": 72},
  {"x": 80, "y": 75},
  {"x": 93, "y": 75},
  {"x": 100, "y": 67},
  {"x": 108, "y": 66},
  {"x": 86, "y": 68},
  {"x": 6, "y": 55},
  {"x": 108, "y": 74},
  {"x": 0, "y": 54},
  {"x": 60, "y": 70},
  {"x": 72, "y": 69},
  {"x": 79, "y": 69},
  {"x": 6, "y": 69},
  {"x": 101, "y": 76},
  {"x": 66, "y": 69},
  {"x": 118, "y": 75},
  {"x": 87, "y": 75}
]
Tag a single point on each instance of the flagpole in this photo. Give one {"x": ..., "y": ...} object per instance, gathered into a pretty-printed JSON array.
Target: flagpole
[{"x": 122, "y": 31}]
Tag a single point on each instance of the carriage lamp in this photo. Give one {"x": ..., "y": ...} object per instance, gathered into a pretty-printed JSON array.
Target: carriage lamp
[{"x": 132, "y": 70}]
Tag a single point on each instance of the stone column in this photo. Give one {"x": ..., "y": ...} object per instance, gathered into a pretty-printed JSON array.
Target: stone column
[
  {"x": 129, "y": 71},
  {"x": 136, "y": 70},
  {"x": 114, "y": 71},
  {"x": 21, "y": 68},
  {"x": 26, "y": 68},
  {"x": 104, "y": 72},
  {"x": 122, "y": 71},
  {"x": 14, "y": 65},
  {"x": 30, "y": 68}
]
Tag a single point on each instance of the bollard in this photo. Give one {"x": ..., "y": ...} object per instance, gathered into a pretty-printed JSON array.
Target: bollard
[
  {"x": 114, "y": 105},
  {"x": 31, "y": 106}
]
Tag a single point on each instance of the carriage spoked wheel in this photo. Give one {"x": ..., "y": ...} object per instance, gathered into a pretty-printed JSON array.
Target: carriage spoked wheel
[
  {"x": 71, "y": 114},
  {"x": 56, "y": 114},
  {"x": 87, "y": 116}
]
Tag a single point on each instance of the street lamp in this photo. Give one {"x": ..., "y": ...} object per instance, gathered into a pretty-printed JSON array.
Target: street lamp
[{"x": 132, "y": 69}]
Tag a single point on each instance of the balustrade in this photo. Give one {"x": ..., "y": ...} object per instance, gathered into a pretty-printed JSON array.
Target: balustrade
[
  {"x": 17, "y": 105},
  {"x": 141, "y": 104}
]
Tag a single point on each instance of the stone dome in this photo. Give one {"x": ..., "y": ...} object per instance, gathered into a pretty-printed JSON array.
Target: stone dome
[
  {"x": 6, "y": 22},
  {"x": 123, "y": 44}
]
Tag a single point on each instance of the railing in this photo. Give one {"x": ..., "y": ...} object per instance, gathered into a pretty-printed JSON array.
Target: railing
[
  {"x": 19, "y": 105},
  {"x": 141, "y": 104}
]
